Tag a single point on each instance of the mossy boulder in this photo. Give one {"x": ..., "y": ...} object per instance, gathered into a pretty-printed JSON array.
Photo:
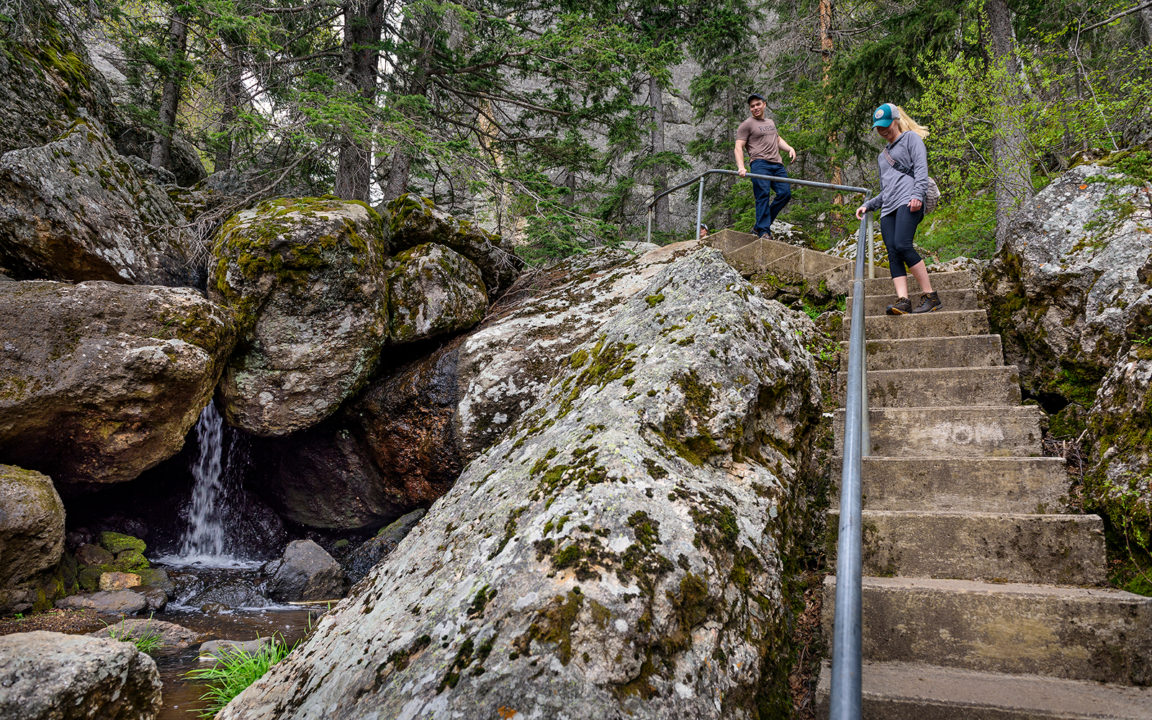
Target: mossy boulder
[
  {"x": 415, "y": 220},
  {"x": 101, "y": 381},
  {"x": 117, "y": 543},
  {"x": 75, "y": 209},
  {"x": 307, "y": 281},
  {"x": 621, "y": 552},
  {"x": 433, "y": 290},
  {"x": 31, "y": 535},
  {"x": 1065, "y": 291}
]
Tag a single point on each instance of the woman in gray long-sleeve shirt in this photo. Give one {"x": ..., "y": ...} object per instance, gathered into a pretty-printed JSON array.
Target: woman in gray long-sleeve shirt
[{"x": 903, "y": 183}]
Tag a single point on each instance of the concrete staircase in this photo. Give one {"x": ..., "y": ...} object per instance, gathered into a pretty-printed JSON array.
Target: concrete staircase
[{"x": 980, "y": 599}]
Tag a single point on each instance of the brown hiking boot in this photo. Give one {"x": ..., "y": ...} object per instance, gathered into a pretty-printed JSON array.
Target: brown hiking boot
[
  {"x": 902, "y": 306},
  {"x": 928, "y": 303}
]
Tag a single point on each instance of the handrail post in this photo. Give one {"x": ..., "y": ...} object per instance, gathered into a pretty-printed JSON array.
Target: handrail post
[
  {"x": 845, "y": 699},
  {"x": 700, "y": 206},
  {"x": 871, "y": 246},
  {"x": 650, "y": 223}
]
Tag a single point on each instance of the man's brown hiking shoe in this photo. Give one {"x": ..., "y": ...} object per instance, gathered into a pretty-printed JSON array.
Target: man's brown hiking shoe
[
  {"x": 928, "y": 303},
  {"x": 902, "y": 306}
]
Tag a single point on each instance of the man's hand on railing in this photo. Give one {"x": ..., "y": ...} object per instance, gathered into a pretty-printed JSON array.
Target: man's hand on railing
[{"x": 742, "y": 172}]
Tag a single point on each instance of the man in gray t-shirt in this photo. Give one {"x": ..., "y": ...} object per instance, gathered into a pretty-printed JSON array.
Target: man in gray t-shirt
[{"x": 759, "y": 136}]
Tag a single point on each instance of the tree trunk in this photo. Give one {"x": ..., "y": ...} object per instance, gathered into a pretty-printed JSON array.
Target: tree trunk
[
  {"x": 659, "y": 169},
  {"x": 415, "y": 84},
  {"x": 1146, "y": 22},
  {"x": 826, "y": 48},
  {"x": 363, "y": 22},
  {"x": 1013, "y": 169},
  {"x": 229, "y": 86},
  {"x": 170, "y": 95}
]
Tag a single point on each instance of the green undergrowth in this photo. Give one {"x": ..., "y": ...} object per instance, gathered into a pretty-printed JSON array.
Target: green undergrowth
[
  {"x": 235, "y": 671},
  {"x": 964, "y": 227}
]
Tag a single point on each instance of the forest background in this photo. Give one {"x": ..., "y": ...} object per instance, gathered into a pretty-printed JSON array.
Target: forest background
[{"x": 548, "y": 120}]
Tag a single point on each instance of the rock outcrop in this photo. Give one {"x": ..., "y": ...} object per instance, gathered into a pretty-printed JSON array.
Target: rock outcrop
[
  {"x": 414, "y": 220},
  {"x": 170, "y": 637},
  {"x": 1072, "y": 281},
  {"x": 52, "y": 676},
  {"x": 31, "y": 535},
  {"x": 361, "y": 561},
  {"x": 433, "y": 291},
  {"x": 618, "y": 553},
  {"x": 305, "y": 572},
  {"x": 100, "y": 381},
  {"x": 307, "y": 281},
  {"x": 74, "y": 209}
]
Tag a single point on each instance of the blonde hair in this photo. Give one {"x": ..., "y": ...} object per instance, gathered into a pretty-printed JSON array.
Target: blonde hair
[{"x": 908, "y": 124}]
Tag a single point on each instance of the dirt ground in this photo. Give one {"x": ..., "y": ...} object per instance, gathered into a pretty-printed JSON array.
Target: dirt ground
[{"x": 73, "y": 622}]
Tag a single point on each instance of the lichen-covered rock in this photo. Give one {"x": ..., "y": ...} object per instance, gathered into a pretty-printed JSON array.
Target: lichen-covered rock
[
  {"x": 432, "y": 291},
  {"x": 31, "y": 535},
  {"x": 53, "y": 676},
  {"x": 414, "y": 220},
  {"x": 306, "y": 278},
  {"x": 619, "y": 554},
  {"x": 46, "y": 79},
  {"x": 1118, "y": 481},
  {"x": 305, "y": 572},
  {"x": 1066, "y": 289},
  {"x": 101, "y": 381},
  {"x": 106, "y": 602},
  {"x": 75, "y": 209}
]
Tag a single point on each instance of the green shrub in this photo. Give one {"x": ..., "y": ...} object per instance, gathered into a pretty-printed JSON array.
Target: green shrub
[{"x": 234, "y": 671}]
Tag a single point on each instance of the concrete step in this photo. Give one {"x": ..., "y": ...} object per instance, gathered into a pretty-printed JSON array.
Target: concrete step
[
  {"x": 930, "y": 352},
  {"x": 942, "y": 323},
  {"x": 1075, "y": 633},
  {"x": 962, "y": 299},
  {"x": 980, "y": 484},
  {"x": 915, "y": 691},
  {"x": 956, "y": 280},
  {"x": 998, "y": 547},
  {"x": 953, "y": 432},
  {"x": 943, "y": 387}
]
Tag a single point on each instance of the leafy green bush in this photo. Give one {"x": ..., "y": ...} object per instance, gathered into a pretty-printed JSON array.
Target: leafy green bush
[
  {"x": 234, "y": 671},
  {"x": 966, "y": 226}
]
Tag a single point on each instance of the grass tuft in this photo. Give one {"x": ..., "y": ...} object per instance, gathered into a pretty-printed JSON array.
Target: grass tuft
[{"x": 233, "y": 672}]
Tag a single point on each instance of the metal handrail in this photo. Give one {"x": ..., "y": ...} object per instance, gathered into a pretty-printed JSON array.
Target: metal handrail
[{"x": 845, "y": 701}]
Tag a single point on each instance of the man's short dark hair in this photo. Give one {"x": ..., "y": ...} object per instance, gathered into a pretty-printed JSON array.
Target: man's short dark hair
[{"x": 756, "y": 96}]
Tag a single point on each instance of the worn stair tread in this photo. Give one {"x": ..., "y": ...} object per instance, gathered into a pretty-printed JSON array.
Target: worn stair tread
[
  {"x": 953, "y": 280},
  {"x": 941, "y": 323},
  {"x": 944, "y": 387},
  {"x": 917, "y": 691},
  {"x": 993, "y": 546},
  {"x": 1037, "y": 485},
  {"x": 1099, "y": 634},
  {"x": 961, "y": 431},
  {"x": 929, "y": 352},
  {"x": 950, "y": 299}
]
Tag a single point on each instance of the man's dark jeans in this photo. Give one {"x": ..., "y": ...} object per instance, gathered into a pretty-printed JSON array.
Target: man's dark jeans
[{"x": 766, "y": 208}]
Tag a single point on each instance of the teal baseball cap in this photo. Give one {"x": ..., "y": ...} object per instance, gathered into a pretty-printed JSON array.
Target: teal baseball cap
[{"x": 884, "y": 115}]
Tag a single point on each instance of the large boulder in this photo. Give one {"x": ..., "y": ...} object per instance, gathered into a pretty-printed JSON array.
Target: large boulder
[
  {"x": 621, "y": 552},
  {"x": 53, "y": 676},
  {"x": 306, "y": 278},
  {"x": 361, "y": 560},
  {"x": 46, "y": 80},
  {"x": 305, "y": 572},
  {"x": 31, "y": 535},
  {"x": 432, "y": 291},
  {"x": 100, "y": 381},
  {"x": 1072, "y": 280},
  {"x": 75, "y": 209},
  {"x": 415, "y": 220}
]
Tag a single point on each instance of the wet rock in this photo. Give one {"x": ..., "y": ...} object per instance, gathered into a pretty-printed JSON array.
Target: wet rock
[
  {"x": 414, "y": 220},
  {"x": 361, "y": 561},
  {"x": 172, "y": 637},
  {"x": 75, "y": 209},
  {"x": 88, "y": 554},
  {"x": 46, "y": 79},
  {"x": 53, "y": 676},
  {"x": 31, "y": 535},
  {"x": 157, "y": 578},
  {"x": 628, "y": 533},
  {"x": 118, "y": 580},
  {"x": 432, "y": 291},
  {"x": 1065, "y": 290},
  {"x": 306, "y": 279},
  {"x": 305, "y": 572},
  {"x": 99, "y": 381},
  {"x": 110, "y": 602},
  {"x": 155, "y": 599}
]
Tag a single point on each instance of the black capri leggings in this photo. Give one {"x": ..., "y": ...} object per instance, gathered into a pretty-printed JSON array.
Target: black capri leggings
[{"x": 898, "y": 229}]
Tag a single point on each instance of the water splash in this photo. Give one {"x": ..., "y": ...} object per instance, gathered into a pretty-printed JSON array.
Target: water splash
[{"x": 205, "y": 540}]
